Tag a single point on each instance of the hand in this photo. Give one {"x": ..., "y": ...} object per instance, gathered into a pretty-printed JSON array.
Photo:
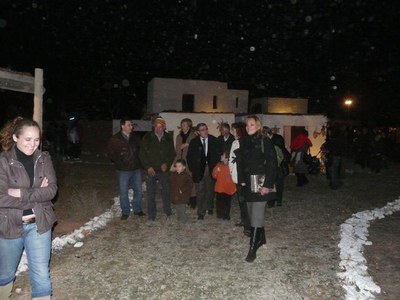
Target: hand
[
  {"x": 45, "y": 182},
  {"x": 164, "y": 167},
  {"x": 183, "y": 146},
  {"x": 264, "y": 191},
  {"x": 14, "y": 193},
  {"x": 151, "y": 172}
]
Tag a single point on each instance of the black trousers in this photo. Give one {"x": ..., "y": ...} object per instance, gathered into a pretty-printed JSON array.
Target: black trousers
[{"x": 223, "y": 205}]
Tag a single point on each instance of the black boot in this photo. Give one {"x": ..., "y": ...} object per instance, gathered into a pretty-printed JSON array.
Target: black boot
[{"x": 256, "y": 241}]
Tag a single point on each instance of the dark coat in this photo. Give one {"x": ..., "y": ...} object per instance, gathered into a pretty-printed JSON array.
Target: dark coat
[
  {"x": 123, "y": 153},
  {"x": 181, "y": 187},
  {"x": 154, "y": 152},
  {"x": 254, "y": 160},
  {"x": 14, "y": 175},
  {"x": 196, "y": 159},
  {"x": 225, "y": 145}
]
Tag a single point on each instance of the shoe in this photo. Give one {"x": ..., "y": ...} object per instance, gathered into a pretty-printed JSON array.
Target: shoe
[
  {"x": 240, "y": 224},
  {"x": 256, "y": 241},
  {"x": 210, "y": 212},
  {"x": 200, "y": 217},
  {"x": 140, "y": 214},
  {"x": 124, "y": 217}
]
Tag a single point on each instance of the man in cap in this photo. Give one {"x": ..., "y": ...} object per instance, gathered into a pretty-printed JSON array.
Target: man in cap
[{"x": 157, "y": 153}]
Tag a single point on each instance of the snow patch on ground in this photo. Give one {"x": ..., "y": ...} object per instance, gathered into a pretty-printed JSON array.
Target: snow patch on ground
[
  {"x": 75, "y": 238},
  {"x": 357, "y": 283}
]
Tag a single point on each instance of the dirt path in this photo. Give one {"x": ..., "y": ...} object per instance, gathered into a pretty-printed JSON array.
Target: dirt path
[{"x": 139, "y": 259}]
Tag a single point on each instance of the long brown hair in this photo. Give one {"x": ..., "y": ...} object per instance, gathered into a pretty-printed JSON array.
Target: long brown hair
[{"x": 15, "y": 126}]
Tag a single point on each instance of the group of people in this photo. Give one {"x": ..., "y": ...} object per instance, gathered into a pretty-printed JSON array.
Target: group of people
[
  {"x": 198, "y": 170},
  {"x": 203, "y": 171}
]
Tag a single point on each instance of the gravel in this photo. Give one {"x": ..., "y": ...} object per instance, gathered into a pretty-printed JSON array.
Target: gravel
[{"x": 142, "y": 259}]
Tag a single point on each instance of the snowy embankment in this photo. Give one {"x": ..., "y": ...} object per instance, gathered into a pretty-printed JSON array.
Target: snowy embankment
[
  {"x": 75, "y": 238},
  {"x": 354, "y": 232}
]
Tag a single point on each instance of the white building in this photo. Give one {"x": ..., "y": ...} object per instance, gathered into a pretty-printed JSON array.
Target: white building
[
  {"x": 183, "y": 95},
  {"x": 289, "y": 126},
  {"x": 279, "y": 105}
]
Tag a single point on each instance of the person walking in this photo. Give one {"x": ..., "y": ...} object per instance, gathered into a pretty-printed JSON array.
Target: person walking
[
  {"x": 123, "y": 150},
  {"x": 182, "y": 142},
  {"x": 181, "y": 187},
  {"x": 257, "y": 174},
  {"x": 300, "y": 147},
  {"x": 203, "y": 154},
  {"x": 27, "y": 185},
  {"x": 224, "y": 188},
  {"x": 157, "y": 154}
]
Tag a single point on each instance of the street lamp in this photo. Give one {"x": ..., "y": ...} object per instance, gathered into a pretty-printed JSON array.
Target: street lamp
[{"x": 348, "y": 102}]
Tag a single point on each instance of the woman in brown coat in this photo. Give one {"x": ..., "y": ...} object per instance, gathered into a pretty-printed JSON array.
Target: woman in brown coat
[{"x": 27, "y": 186}]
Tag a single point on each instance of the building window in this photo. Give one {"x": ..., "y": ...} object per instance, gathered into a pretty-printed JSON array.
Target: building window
[
  {"x": 215, "y": 102},
  {"x": 187, "y": 103},
  {"x": 237, "y": 102}
]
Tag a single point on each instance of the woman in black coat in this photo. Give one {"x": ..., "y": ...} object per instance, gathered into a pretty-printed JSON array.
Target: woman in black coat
[{"x": 257, "y": 157}]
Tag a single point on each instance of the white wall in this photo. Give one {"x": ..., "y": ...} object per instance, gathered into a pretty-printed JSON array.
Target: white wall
[
  {"x": 166, "y": 94},
  {"x": 283, "y": 123}
]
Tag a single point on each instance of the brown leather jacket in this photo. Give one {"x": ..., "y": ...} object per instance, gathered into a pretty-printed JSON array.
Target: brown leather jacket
[
  {"x": 13, "y": 175},
  {"x": 123, "y": 153}
]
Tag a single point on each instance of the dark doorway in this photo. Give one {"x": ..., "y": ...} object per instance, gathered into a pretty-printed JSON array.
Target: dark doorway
[{"x": 187, "y": 103}]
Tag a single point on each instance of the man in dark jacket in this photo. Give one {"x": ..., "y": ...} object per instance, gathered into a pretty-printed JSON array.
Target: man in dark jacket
[
  {"x": 336, "y": 148},
  {"x": 203, "y": 154},
  {"x": 123, "y": 150},
  {"x": 157, "y": 154}
]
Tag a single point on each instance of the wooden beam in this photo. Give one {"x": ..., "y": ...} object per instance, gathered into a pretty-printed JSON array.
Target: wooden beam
[
  {"x": 38, "y": 97},
  {"x": 16, "y": 82}
]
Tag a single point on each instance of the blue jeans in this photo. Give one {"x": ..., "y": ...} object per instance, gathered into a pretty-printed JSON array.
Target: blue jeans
[
  {"x": 151, "y": 184},
  {"x": 126, "y": 180},
  {"x": 38, "y": 248}
]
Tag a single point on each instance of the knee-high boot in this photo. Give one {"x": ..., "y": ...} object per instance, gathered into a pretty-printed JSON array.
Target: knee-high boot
[
  {"x": 5, "y": 290},
  {"x": 256, "y": 241}
]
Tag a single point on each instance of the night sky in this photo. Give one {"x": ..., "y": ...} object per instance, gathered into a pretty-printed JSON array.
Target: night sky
[{"x": 98, "y": 55}]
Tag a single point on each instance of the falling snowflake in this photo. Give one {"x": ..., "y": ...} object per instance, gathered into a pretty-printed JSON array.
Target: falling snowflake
[
  {"x": 333, "y": 78},
  {"x": 308, "y": 19},
  {"x": 334, "y": 87},
  {"x": 252, "y": 48},
  {"x": 195, "y": 36},
  {"x": 125, "y": 83}
]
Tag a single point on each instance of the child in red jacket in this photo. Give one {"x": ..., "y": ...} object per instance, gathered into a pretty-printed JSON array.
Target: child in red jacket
[{"x": 224, "y": 188}]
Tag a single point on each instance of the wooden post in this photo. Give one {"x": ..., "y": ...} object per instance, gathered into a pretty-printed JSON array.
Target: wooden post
[{"x": 38, "y": 97}]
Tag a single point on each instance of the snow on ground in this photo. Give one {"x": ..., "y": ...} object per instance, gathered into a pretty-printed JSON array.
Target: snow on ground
[
  {"x": 75, "y": 238},
  {"x": 354, "y": 235}
]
